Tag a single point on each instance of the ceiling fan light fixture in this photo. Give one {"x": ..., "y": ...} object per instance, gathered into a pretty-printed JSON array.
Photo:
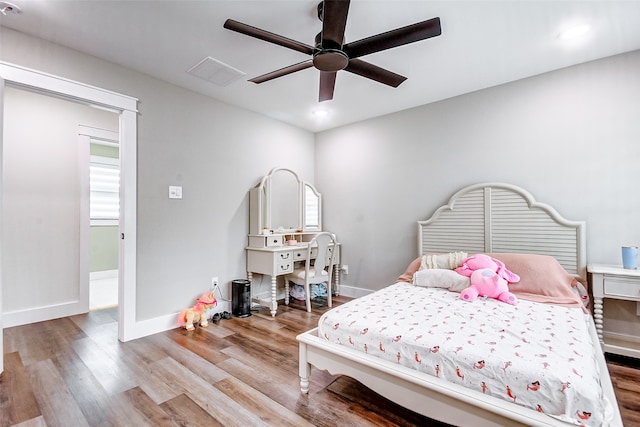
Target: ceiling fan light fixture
[
  {"x": 574, "y": 32},
  {"x": 320, "y": 113}
]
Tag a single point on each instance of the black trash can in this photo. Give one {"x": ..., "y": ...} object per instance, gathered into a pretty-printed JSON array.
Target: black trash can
[{"x": 241, "y": 298}]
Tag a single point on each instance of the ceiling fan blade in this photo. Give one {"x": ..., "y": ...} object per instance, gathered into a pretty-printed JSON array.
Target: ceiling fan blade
[
  {"x": 327, "y": 84},
  {"x": 282, "y": 72},
  {"x": 334, "y": 21},
  {"x": 248, "y": 30},
  {"x": 373, "y": 72},
  {"x": 394, "y": 38}
]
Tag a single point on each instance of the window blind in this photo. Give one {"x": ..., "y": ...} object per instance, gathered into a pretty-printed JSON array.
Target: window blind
[{"x": 104, "y": 184}]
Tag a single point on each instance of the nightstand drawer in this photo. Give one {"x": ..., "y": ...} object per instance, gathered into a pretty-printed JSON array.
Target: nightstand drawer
[{"x": 622, "y": 287}]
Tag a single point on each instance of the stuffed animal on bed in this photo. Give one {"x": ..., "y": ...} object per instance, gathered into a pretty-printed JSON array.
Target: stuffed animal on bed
[
  {"x": 489, "y": 277},
  {"x": 197, "y": 313}
]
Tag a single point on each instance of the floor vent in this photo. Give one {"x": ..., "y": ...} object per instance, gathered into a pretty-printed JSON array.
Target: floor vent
[{"x": 215, "y": 72}]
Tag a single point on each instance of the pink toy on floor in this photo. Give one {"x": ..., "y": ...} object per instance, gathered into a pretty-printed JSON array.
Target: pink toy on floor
[
  {"x": 197, "y": 313},
  {"x": 489, "y": 277}
]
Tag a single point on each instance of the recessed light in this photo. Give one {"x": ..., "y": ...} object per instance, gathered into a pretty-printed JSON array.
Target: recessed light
[
  {"x": 321, "y": 113},
  {"x": 574, "y": 32}
]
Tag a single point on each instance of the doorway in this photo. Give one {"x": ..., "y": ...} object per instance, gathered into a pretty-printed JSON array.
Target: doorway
[
  {"x": 126, "y": 107},
  {"x": 102, "y": 195}
]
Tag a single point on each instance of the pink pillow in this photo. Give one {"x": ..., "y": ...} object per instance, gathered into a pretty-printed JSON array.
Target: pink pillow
[{"x": 542, "y": 279}]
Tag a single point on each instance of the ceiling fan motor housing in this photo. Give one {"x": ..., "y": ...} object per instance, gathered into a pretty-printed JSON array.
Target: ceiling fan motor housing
[{"x": 330, "y": 60}]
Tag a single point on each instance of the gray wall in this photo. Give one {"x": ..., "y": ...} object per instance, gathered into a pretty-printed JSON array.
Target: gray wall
[
  {"x": 104, "y": 248},
  {"x": 570, "y": 137},
  {"x": 214, "y": 151}
]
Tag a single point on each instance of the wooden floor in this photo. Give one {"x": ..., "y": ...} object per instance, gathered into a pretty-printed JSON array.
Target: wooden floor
[{"x": 239, "y": 372}]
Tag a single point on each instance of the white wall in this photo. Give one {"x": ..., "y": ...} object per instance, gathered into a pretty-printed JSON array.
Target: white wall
[
  {"x": 214, "y": 151},
  {"x": 570, "y": 137}
]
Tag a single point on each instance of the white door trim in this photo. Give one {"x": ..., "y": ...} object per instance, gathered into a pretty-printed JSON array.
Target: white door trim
[
  {"x": 126, "y": 106},
  {"x": 1, "y": 218}
]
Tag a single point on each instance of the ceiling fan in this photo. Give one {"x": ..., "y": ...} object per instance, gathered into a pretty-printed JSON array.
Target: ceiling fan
[{"x": 330, "y": 54}]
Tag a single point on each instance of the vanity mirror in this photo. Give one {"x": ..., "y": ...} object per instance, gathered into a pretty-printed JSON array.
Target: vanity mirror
[
  {"x": 282, "y": 203},
  {"x": 285, "y": 214}
]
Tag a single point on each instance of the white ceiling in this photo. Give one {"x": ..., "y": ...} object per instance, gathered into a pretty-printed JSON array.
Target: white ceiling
[{"x": 483, "y": 44}]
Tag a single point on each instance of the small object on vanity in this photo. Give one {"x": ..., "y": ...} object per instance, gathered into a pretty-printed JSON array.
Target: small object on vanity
[
  {"x": 630, "y": 257},
  {"x": 266, "y": 231},
  {"x": 292, "y": 242}
]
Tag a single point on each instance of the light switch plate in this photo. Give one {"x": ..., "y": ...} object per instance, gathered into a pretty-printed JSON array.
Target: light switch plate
[{"x": 175, "y": 192}]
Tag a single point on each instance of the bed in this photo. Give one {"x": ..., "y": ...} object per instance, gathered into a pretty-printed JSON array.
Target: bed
[{"x": 507, "y": 223}]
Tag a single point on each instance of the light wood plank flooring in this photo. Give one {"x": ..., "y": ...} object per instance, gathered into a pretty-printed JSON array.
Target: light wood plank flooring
[{"x": 239, "y": 372}]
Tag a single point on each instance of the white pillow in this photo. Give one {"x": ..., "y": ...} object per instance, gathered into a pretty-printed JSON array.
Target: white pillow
[
  {"x": 452, "y": 260},
  {"x": 441, "y": 278}
]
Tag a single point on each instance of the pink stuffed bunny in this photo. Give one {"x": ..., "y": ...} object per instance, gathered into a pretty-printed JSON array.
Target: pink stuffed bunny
[
  {"x": 488, "y": 283},
  {"x": 489, "y": 277}
]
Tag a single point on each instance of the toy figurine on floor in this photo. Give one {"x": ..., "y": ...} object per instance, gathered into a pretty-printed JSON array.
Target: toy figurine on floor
[{"x": 198, "y": 313}]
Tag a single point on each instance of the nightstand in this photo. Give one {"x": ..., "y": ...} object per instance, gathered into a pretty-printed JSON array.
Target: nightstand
[{"x": 613, "y": 281}]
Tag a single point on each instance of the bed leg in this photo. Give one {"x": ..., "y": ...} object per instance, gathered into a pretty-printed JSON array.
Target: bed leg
[{"x": 304, "y": 369}]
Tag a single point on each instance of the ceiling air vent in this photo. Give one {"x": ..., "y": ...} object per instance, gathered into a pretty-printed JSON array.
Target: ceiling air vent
[{"x": 215, "y": 72}]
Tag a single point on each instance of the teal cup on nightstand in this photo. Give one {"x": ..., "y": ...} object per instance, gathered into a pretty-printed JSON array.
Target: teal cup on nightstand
[{"x": 630, "y": 257}]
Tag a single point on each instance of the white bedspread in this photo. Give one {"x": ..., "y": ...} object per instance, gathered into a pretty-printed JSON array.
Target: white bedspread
[{"x": 537, "y": 355}]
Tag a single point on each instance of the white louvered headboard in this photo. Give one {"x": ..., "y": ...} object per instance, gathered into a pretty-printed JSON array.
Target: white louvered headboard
[{"x": 498, "y": 217}]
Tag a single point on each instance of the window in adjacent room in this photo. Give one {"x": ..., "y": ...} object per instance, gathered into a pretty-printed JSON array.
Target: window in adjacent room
[{"x": 104, "y": 184}]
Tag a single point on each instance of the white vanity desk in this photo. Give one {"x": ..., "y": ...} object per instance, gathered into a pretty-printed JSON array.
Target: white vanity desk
[
  {"x": 276, "y": 261},
  {"x": 281, "y": 200}
]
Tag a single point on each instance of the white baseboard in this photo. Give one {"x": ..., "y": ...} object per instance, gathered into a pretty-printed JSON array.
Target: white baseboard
[
  {"x": 106, "y": 274},
  {"x": 40, "y": 314},
  {"x": 140, "y": 329},
  {"x": 170, "y": 321},
  {"x": 352, "y": 291},
  {"x": 144, "y": 328},
  {"x": 164, "y": 323}
]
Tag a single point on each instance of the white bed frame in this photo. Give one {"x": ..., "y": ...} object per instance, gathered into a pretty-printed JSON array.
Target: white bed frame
[{"x": 487, "y": 217}]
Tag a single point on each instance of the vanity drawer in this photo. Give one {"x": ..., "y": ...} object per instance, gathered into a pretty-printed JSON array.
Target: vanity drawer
[
  {"x": 285, "y": 262},
  {"x": 285, "y": 267},
  {"x": 301, "y": 254},
  {"x": 285, "y": 256},
  {"x": 272, "y": 241},
  {"x": 622, "y": 287}
]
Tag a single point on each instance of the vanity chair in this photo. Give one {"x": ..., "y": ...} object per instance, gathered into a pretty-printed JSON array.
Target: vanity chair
[
  {"x": 285, "y": 215},
  {"x": 315, "y": 271}
]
